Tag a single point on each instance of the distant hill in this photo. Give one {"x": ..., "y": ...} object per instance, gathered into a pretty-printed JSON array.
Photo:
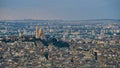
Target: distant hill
[{"x": 66, "y": 21}]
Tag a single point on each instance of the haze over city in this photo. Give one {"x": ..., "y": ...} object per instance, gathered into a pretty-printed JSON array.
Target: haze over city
[
  {"x": 59, "y": 9},
  {"x": 59, "y": 34}
]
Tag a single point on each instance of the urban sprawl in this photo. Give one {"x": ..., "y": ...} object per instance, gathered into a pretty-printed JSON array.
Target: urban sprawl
[{"x": 59, "y": 44}]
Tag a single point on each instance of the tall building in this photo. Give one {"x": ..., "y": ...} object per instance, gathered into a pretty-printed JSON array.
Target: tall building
[
  {"x": 40, "y": 32},
  {"x": 37, "y": 32},
  {"x": 19, "y": 33}
]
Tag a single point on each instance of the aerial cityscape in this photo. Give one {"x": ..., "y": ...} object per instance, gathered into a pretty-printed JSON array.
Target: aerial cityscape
[
  {"x": 59, "y": 34},
  {"x": 54, "y": 44}
]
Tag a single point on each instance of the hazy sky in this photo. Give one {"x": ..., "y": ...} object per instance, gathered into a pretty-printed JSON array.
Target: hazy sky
[{"x": 59, "y": 9}]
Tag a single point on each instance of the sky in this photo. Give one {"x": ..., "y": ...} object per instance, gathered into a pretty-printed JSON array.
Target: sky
[{"x": 59, "y": 9}]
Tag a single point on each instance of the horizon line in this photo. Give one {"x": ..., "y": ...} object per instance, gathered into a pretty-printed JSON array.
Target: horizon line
[{"x": 63, "y": 19}]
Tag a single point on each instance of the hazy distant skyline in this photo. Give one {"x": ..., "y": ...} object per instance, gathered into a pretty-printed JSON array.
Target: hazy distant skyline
[{"x": 59, "y": 9}]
